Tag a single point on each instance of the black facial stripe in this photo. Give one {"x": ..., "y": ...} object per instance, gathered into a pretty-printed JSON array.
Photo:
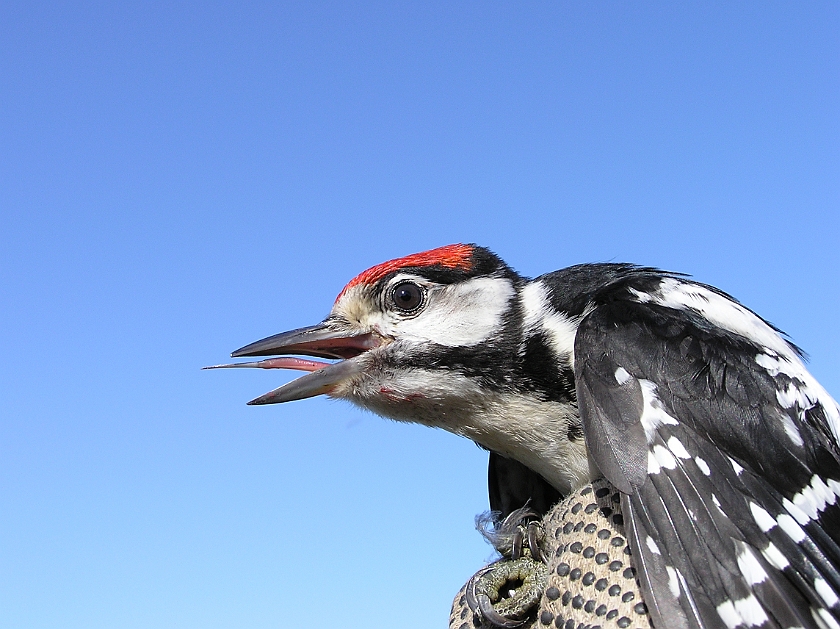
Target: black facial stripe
[
  {"x": 497, "y": 366},
  {"x": 487, "y": 364},
  {"x": 501, "y": 364}
]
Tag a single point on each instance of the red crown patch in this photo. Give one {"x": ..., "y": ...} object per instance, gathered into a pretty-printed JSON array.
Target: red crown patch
[{"x": 451, "y": 256}]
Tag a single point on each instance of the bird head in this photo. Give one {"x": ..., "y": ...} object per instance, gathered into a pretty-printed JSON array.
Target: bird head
[
  {"x": 414, "y": 337},
  {"x": 450, "y": 338}
]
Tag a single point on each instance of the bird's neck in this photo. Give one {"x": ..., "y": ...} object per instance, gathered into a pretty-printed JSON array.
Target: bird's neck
[{"x": 545, "y": 436}]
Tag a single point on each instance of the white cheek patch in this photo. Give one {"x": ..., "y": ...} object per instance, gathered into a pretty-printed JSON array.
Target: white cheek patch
[
  {"x": 461, "y": 314},
  {"x": 455, "y": 315}
]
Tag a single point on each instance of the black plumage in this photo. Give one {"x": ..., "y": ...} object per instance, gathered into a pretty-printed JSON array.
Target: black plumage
[{"x": 690, "y": 526}]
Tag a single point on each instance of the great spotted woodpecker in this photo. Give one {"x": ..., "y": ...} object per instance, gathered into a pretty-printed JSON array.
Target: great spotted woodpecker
[{"x": 723, "y": 446}]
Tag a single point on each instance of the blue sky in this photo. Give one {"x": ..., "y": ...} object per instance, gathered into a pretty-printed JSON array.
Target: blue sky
[{"x": 179, "y": 179}]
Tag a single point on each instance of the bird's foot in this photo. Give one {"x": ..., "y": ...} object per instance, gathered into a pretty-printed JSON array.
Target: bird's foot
[
  {"x": 519, "y": 534},
  {"x": 506, "y": 591}
]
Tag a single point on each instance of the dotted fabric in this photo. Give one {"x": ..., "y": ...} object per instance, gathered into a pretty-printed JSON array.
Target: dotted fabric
[{"x": 592, "y": 582}]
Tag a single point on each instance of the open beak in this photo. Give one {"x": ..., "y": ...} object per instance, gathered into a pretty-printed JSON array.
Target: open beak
[{"x": 322, "y": 341}]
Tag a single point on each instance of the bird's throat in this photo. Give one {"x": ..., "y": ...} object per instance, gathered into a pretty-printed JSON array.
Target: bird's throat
[{"x": 543, "y": 435}]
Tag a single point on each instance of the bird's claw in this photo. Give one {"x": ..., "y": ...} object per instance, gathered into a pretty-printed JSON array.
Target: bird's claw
[
  {"x": 504, "y": 592},
  {"x": 535, "y": 537},
  {"x": 509, "y": 536},
  {"x": 519, "y": 526}
]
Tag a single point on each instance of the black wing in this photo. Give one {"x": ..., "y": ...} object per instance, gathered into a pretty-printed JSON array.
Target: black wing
[{"x": 727, "y": 463}]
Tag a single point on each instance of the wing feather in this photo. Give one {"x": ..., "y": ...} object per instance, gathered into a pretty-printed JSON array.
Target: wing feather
[
  {"x": 659, "y": 584},
  {"x": 727, "y": 463}
]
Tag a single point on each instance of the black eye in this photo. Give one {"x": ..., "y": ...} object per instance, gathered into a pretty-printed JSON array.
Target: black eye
[{"x": 407, "y": 296}]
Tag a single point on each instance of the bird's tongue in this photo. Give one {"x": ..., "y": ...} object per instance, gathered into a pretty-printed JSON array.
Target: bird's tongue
[
  {"x": 319, "y": 341},
  {"x": 283, "y": 362},
  {"x": 322, "y": 380}
]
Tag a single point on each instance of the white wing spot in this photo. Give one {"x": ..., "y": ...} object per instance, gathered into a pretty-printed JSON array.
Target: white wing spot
[
  {"x": 809, "y": 502},
  {"x": 791, "y": 430},
  {"x": 807, "y": 393},
  {"x": 704, "y": 467},
  {"x": 653, "y": 413},
  {"x": 764, "y": 520},
  {"x": 824, "y": 490},
  {"x": 824, "y": 619},
  {"x": 728, "y": 615},
  {"x": 677, "y": 449},
  {"x": 792, "y": 395},
  {"x": 775, "y": 557},
  {"x": 791, "y": 527},
  {"x": 652, "y": 545},
  {"x": 735, "y": 466},
  {"x": 653, "y": 464},
  {"x": 750, "y": 567},
  {"x": 751, "y": 611},
  {"x": 794, "y": 509},
  {"x": 622, "y": 375},
  {"x": 673, "y": 581},
  {"x": 641, "y": 297},
  {"x": 826, "y": 592},
  {"x": 815, "y": 497},
  {"x": 747, "y": 611},
  {"x": 665, "y": 458}
]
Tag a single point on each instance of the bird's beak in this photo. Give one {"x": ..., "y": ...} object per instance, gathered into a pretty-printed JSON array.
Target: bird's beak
[{"x": 325, "y": 340}]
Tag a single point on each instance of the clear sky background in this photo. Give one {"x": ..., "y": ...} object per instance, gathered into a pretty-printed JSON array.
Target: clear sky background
[{"x": 179, "y": 179}]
